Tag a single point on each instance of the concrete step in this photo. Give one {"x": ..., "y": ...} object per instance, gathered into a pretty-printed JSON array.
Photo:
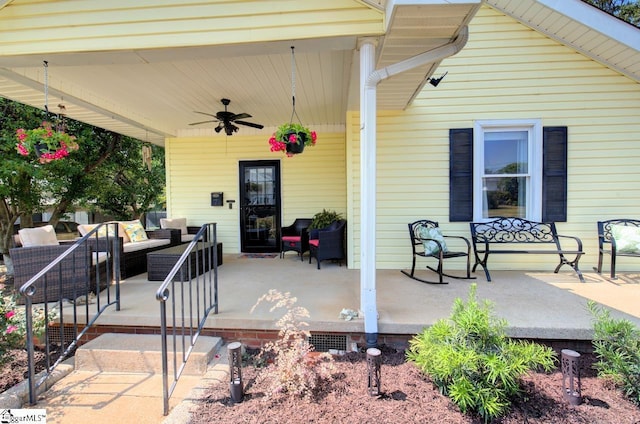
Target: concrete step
[{"x": 141, "y": 353}]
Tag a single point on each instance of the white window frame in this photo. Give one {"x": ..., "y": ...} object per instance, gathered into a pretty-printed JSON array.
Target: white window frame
[{"x": 533, "y": 127}]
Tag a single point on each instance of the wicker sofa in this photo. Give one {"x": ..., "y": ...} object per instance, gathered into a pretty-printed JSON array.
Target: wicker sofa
[
  {"x": 133, "y": 253},
  {"x": 77, "y": 274}
]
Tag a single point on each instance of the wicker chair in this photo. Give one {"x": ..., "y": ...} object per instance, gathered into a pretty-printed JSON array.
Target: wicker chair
[
  {"x": 417, "y": 245},
  {"x": 295, "y": 237},
  {"x": 330, "y": 243}
]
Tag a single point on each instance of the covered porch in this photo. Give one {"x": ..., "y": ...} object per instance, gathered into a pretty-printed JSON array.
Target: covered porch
[{"x": 536, "y": 305}]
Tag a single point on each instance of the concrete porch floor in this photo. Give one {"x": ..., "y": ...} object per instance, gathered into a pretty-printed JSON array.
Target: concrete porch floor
[
  {"x": 539, "y": 305},
  {"x": 535, "y": 304}
]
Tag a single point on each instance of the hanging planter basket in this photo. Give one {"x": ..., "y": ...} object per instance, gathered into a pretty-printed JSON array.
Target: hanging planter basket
[
  {"x": 45, "y": 143},
  {"x": 292, "y": 138},
  {"x": 295, "y": 148}
]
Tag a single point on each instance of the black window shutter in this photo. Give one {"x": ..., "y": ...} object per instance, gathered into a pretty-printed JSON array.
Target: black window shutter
[
  {"x": 461, "y": 174},
  {"x": 554, "y": 174}
]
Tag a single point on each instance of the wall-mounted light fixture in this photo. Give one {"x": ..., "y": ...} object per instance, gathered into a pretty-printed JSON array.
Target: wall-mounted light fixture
[{"x": 436, "y": 81}]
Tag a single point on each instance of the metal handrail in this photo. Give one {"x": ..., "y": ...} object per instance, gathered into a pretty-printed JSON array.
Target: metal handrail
[
  {"x": 104, "y": 261},
  {"x": 192, "y": 299}
]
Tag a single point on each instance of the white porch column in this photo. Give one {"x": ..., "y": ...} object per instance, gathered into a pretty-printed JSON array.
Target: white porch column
[{"x": 368, "y": 303}]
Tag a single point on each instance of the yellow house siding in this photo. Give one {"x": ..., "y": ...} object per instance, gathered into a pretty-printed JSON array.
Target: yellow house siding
[
  {"x": 94, "y": 25},
  {"x": 197, "y": 166},
  {"x": 508, "y": 71}
]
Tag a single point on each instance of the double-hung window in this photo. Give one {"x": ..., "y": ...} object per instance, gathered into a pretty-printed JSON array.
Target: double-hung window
[{"x": 507, "y": 163}]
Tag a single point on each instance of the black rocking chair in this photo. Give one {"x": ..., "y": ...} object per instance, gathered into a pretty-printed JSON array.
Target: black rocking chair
[{"x": 416, "y": 231}]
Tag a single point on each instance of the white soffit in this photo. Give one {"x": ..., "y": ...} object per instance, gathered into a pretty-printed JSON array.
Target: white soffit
[
  {"x": 582, "y": 27},
  {"x": 415, "y": 27}
]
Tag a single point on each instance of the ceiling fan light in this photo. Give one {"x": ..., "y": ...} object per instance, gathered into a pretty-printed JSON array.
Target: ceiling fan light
[{"x": 218, "y": 128}]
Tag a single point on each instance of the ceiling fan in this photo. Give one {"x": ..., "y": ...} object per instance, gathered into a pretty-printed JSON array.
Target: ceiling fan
[{"x": 226, "y": 119}]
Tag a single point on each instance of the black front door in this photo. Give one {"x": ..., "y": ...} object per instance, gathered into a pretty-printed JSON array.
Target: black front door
[{"x": 260, "y": 206}]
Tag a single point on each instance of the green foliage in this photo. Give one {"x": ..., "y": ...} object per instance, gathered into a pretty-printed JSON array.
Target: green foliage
[
  {"x": 627, "y": 10},
  {"x": 324, "y": 219},
  {"x": 293, "y": 372},
  {"x": 470, "y": 359},
  {"x": 616, "y": 343},
  {"x": 132, "y": 188},
  {"x": 284, "y": 131},
  {"x": 106, "y": 174},
  {"x": 13, "y": 327}
]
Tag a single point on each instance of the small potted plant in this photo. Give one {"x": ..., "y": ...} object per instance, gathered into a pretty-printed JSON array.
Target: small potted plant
[
  {"x": 322, "y": 220},
  {"x": 292, "y": 138},
  {"x": 47, "y": 143}
]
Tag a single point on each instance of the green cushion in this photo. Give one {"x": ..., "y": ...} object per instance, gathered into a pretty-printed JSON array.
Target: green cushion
[
  {"x": 627, "y": 238},
  {"x": 430, "y": 246}
]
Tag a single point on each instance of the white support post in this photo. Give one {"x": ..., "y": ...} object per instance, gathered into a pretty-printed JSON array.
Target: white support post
[{"x": 368, "y": 192}]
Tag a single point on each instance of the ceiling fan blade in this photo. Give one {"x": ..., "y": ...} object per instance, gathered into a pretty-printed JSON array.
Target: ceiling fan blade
[
  {"x": 205, "y": 113},
  {"x": 250, "y": 124},
  {"x": 240, "y": 116},
  {"x": 203, "y": 122}
]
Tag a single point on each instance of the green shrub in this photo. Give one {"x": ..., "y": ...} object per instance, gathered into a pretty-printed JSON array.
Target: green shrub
[
  {"x": 616, "y": 343},
  {"x": 470, "y": 359}
]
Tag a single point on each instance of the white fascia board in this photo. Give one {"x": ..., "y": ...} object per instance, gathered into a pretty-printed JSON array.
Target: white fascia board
[{"x": 596, "y": 19}]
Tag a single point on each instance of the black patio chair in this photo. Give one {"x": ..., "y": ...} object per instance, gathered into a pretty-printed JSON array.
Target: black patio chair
[
  {"x": 295, "y": 237},
  {"x": 330, "y": 243},
  {"x": 428, "y": 242}
]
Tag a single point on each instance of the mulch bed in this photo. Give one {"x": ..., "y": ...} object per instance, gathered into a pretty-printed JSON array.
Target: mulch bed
[{"x": 409, "y": 397}]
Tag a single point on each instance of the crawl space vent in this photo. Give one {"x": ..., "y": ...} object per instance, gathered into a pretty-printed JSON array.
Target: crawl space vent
[{"x": 326, "y": 342}]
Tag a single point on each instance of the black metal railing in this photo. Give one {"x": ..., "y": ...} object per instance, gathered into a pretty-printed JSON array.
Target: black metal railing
[
  {"x": 187, "y": 296},
  {"x": 68, "y": 295}
]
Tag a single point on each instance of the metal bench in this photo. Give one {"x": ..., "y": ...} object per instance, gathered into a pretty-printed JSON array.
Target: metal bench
[
  {"x": 521, "y": 236},
  {"x": 607, "y": 243}
]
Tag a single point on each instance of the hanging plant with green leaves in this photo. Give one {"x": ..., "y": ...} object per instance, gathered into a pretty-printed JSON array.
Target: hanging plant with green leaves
[{"x": 292, "y": 137}]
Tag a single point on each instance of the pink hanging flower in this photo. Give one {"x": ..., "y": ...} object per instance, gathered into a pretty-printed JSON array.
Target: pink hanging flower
[
  {"x": 46, "y": 142},
  {"x": 10, "y": 314},
  {"x": 22, "y": 150},
  {"x": 11, "y": 329},
  {"x": 291, "y": 134}
]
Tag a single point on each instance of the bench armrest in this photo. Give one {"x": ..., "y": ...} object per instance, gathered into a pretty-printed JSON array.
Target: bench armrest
[{"x": 576, "y": 239}]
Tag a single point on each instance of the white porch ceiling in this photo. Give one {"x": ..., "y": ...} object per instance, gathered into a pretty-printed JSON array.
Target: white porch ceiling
[{"x": 151, "y": 94}]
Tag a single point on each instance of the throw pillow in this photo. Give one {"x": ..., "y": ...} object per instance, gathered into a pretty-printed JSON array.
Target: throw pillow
[
  {"x": 85, "y": 229},
  {"x": 430, "y": 246},
  {"x": 627, "y": 238},
  {"x": 41, "y": 236},
  {"x": 107, "y": 230},
  {"x": 179, "y": 223},
  {"x": 135, "y": 231}
]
